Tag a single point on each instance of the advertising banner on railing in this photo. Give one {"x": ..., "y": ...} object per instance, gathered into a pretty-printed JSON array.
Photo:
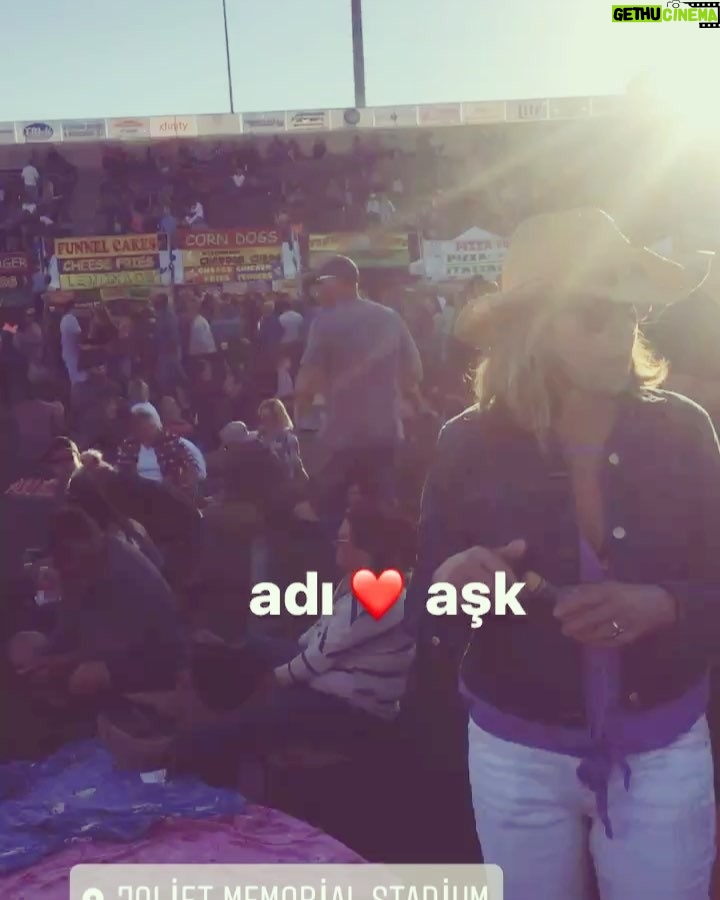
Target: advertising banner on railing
[
  {"x": 14, "y": 267},
  {"x": 86, "y": 263},
  {"x": 371, "y": 250},
  {"x": 237, "y": 254}
]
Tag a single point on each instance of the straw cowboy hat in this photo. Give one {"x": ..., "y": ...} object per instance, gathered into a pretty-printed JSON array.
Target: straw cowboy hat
[{"x": 567, "y": 255}]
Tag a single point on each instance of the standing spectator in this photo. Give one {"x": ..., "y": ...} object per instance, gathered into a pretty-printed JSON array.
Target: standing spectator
[
  {"x": 277, "y": 432},
  {"x": 270, "y": 331},
  {"x": 202, "y": 342},
  {"x": 293, "y": 325},
  {"x": 168, "y": 366},
  {"x": 31, "y": 179},
  {"x": 30, "y": 342},
  {"x": 70, "y": 343},
  {"x": 360, "y": 356},
  {"x": 572, "y": 464}
]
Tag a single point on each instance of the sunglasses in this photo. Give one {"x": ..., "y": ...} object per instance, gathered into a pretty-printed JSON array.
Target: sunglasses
[{"x": 595, "y": 315}]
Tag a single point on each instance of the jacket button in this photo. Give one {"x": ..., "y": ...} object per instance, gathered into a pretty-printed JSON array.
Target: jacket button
[
  {"x": 614, "y": 459},
  {"x": 619, "y": 532},
  {"x": 435, "y": 641},
  {"x": 634, "y": 698}
]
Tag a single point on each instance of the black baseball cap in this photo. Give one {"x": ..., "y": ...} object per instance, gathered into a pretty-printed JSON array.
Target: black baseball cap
[{"x": 340, "y": 267}]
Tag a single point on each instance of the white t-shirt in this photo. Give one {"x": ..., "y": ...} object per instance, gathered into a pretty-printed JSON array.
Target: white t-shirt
[
  {"x": 30, "y": 176},
  {"x": 292, "y": 323},
  {"x": 70, "y": 336},
  {"x": 149, "y": 467},
  {"x": 202, "y": 342},
  {"x": 239, "y": 180}
]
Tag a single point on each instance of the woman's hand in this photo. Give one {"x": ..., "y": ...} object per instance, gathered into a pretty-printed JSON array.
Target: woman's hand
[
  {"x": 613, "y": 614},
  {"x": 478, "y": 564}
]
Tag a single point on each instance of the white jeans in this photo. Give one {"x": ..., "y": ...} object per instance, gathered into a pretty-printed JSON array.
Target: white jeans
[{"x": 538, "y": 822}]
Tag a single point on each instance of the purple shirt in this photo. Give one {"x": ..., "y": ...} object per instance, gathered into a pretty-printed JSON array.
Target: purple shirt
[{"x": 612, "y": 732}]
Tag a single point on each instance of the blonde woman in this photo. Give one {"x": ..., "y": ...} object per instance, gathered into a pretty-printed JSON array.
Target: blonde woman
[
  {"x": 587, "y": 728},
  {"x": 277, "y": 432}
]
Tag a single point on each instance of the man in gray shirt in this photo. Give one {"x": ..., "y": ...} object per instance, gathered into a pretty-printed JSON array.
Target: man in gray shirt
[{"x": 361, "y": 357}]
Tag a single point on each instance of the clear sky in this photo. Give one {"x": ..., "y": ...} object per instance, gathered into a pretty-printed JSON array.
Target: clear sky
[{"x": 86, "y": 58}]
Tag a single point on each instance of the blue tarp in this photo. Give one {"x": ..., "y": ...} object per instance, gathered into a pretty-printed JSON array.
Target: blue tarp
[{"x": 78, "y": 793}]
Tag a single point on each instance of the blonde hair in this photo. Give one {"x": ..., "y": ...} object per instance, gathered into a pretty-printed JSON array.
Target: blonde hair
[
  {"x": 517, "y": 375},
  {"x": 278, "y": 410}
]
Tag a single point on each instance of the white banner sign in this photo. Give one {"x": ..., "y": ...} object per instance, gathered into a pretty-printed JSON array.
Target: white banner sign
[
  {"x": 476, "y": 252},
  {"x": 483, "y": 111},
  {"x": 526, "y": 110},
  {"x": 263, "y": 122},
  {"x": 173, "y": 126},
  {"x": 395, "y": 116},
  {"x": 309, "y": 120}
]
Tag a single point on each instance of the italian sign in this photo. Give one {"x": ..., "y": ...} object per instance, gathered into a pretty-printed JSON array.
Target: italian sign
[{"x": 475, "y": 252}]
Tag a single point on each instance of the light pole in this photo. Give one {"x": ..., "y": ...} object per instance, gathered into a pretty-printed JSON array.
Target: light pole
[
  {"x": 358, "y": 54},
  {"x": 227, "y": 54}
]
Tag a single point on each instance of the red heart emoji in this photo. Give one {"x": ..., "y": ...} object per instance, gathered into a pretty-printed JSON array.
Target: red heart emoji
[{"x": 377, "y": 593}]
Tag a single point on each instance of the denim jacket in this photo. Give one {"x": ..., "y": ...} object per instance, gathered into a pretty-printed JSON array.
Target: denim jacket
[{"x": 491, "y": 483}]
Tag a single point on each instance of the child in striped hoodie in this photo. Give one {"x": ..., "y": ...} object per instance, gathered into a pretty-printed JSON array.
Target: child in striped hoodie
[{"x": 344, "y": 679}]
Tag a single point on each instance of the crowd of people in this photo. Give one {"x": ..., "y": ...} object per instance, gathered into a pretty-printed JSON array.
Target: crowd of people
[
  {"x": 184, "y": 453},
  {"x": 35, "y": 200},
  {"x": 242, "y": 184}
]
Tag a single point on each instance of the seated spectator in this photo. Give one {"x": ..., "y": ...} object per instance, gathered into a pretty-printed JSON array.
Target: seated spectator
[
  {"x": 238, "y": 401},
  {"x": 38, "y": 420},
  {"x": 319, "y": 150},
  {"x": 249, "y": 471},
  {"x": 168, "y": 223},
  {"x": 87, "y": 492},
  {"x": 63, "y": 461},
  {"x": 277, "y": 432},
  {"x": 196, "y": 216},
  {"x": 239, "y": 177},
  {"x": 118, "y": 624},
  {"x": 137, "y": 219},
  {"x": 90, "y": 407},
  {"x": 172, "y": 418},
  {"x": 379, "y": 208},
  {"x": 339, "y": 685},
  {"x": 153, "y": 453}
]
